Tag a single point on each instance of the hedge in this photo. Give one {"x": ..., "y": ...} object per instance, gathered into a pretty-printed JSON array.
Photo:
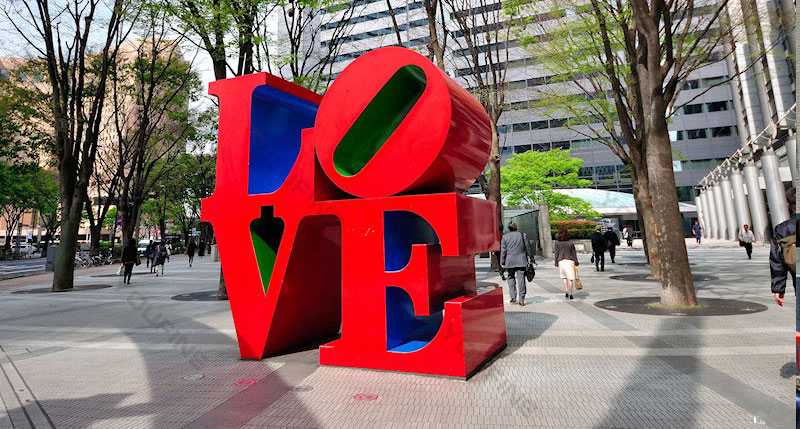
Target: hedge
[{"x": 577, "y": 229}]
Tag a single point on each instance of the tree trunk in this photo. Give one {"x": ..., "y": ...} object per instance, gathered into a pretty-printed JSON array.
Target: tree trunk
[
  {"x": 95, "y": 231},
  {"x": 644, "y": 205},
  {"x": 677, "y": 286},
  {"x": 64, "y": 263},
  {"x": 493, "y": 193}
]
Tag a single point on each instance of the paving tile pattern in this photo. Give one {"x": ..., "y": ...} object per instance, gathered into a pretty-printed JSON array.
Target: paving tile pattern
[{"x": 130, "y": 357}]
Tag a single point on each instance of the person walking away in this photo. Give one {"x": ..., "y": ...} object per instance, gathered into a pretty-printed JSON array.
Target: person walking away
[
  {"x": 782, "y": 258},
  {"x": 514, "y": 256},
  {"x": 161, "y": 257},
  {"x": 697, "y": 231},
  {"x": 627, "y": 234},
  {"x": 612, "y": 243},
  {"x": 153, "y": 256},
  {"x": 190, "y": 249},
  {"x": 566, "y": 259},
  {"x": 130, "y": 256},
  {"x": 598, "y": 249},
  {"x": 746, "y": 239},
  {"x": 148, "y": 253}
]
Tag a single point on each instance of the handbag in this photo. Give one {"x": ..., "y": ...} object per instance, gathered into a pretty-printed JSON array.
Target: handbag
[
  {"x": 578, "y": 281},
  {"x": 530, "y": 272}
]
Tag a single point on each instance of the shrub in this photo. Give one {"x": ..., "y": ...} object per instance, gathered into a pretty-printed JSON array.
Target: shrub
[{"x": 577, "y": 229}]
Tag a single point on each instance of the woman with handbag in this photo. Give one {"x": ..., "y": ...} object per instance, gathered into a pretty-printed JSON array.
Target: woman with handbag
[
  {"x": 130, "y": 256},
  {"x": 566, "y": 259},
  {"x": 514, "y": 257}
]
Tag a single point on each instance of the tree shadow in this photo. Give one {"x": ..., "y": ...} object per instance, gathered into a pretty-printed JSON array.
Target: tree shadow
[
  {"x": 658, "y": 383},
  {"x": 191, "y": 374},
  {"x": 524, "y": 327}
]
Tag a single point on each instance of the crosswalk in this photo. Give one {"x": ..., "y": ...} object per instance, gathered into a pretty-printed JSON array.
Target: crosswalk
[{"x": 20, "y": 268}]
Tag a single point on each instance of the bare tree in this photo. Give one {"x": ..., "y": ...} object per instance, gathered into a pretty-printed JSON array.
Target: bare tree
[
  {"x": 296, "y": 50},
  {"x": 481, "y": 58},
  {"x": 617, "y": 69},
  {"x": 225, "y": 29},
  {"x": 78, "y": 41},
  {"x": 151, "y": 89}
]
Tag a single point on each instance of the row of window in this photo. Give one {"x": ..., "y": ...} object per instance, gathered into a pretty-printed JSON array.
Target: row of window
[
  {"x": 716, "y": 106},
  {"x": 381, "y": 31},
  {"x": 368, "y": 17},
  {"x": 704, "y": 83},
  {"x": 408, "y": 44},
  {"x": 702, "y": 133}
]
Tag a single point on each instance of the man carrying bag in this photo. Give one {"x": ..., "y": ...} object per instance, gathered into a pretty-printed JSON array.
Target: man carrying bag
[{"x": 514, "y": 258}]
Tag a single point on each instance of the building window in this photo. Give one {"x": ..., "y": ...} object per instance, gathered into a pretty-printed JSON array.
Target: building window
[
  {"x": 502, "y": 129},
  {"x": 541, "y": 147},
  {"x": 691, "y": 84},
  {"x": 522, "y": 148},
  {"x": 679, "y": 135},
  {"x": 521, "y": 127},
  {"x": 721, "y": 132},
  {"x": 714, "y": 80},
  {"x": 692, "y": 109},
  {"x": 717, "y": 106},
  {"x": 518, "y": 84},
  {"x": 536, "y": 81},
  {"x": 696, "y": 134},
  {"x": 561, "y": 145},
  {"x": 558, "y": 123},
  {"x": 539, "y": 125}
]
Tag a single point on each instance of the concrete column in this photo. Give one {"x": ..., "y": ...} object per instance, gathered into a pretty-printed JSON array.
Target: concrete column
[
  {"x": 739, "y": 198},
  {"x": 701, "y": 214},
  {"x": 708, "y": 216},
  {"x": 758, "y": 209},
  {"x": 791, "y": 155},
  {"x": 730, "y": 211},
  {"x": 719, "y": 208},
  {"x": 776, "y": 194}
]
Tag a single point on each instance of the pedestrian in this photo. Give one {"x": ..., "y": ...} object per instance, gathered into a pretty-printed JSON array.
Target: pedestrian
[
  {"x": 160, "y": 257},
  {"x": 782, "y": 258},
  {"x": 627, "y": 234},
  {"x": 190, "y": 248},
  {"x": 612, "y": 241},
  {"x": 599, "y": 244},
  {"x": 153, "y": 256},
  {"x": 566, "y": 259},
  {"x": 697, "y": 231},
  {"x": 130, "y": 256},
  {"x": 148, "y": 253},
  {"x": 746, "y": 239},
  {"x": 514, "y": 258}
]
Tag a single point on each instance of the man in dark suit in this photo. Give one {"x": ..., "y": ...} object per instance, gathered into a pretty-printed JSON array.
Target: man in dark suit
[
  {"x": 599, "y": 246},
  {"x": 612, "y": 241},
  {"x": 514, "y": 255}
]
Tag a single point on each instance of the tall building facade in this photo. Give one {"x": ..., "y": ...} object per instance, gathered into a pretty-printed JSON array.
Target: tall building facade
[
  {"x": 704, "y": 132},
  {"x": 757, "y": 184}
]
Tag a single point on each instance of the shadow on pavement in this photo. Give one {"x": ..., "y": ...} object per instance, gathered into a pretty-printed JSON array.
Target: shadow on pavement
[{"x": 185, "y": 382}]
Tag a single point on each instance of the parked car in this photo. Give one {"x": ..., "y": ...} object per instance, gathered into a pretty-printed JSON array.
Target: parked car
[
  {"x": 141, "y": 248},
  {"x": 23, "y": 248}
]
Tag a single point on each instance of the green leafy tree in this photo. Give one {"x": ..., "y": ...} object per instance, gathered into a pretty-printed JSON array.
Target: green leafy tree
[{"x": 531, "y": 178}]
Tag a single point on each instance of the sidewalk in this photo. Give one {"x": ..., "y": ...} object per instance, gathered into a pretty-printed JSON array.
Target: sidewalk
[{"x": 132, "y": 357}]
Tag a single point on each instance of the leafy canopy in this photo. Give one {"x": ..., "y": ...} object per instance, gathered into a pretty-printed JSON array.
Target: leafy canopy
[{"x": 530, "y": 178}]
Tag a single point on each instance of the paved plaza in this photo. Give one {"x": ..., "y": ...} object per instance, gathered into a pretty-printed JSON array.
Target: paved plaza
[{"x": 134, "y": 357}]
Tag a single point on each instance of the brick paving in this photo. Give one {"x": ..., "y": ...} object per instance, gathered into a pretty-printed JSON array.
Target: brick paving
[{"x": 130, "y": 357}]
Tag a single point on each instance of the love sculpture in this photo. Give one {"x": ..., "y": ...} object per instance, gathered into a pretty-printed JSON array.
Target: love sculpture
[{"x": 343, "y": 216}]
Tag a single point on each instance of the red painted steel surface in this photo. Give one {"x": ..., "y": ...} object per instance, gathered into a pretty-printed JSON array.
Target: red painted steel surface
[
  {"x": 441, "y": 145},
  {"x": 329, "y": 274}
]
